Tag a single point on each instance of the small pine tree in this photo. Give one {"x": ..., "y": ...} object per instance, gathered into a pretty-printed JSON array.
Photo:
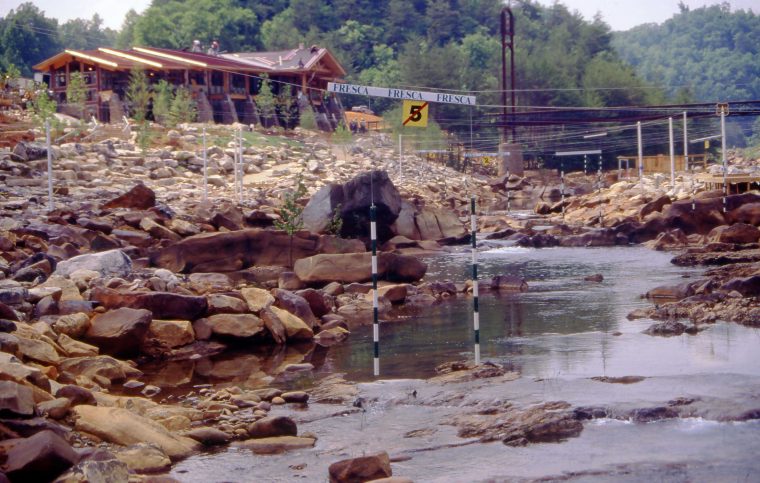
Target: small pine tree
[
  {"x": 162, "y": 101},
  {"x": 308, "y": 120},
  {"x": 183, "y": 108},
  {"x": 44, "y": 108},
  {"x": 291, "y": 214},
  {"x": 76, "y": 93},
  {"x": 266, "y": 101},
  {"x": 11, "y": 75},
  {"x": 287, "y": 106},
  {"x": 138, "y": 94}
]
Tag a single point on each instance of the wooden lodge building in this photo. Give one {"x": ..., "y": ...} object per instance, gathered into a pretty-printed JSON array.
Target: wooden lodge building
[{"x": 224, "y": 86}]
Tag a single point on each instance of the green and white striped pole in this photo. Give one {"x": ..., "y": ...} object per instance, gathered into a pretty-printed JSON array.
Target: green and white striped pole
[
  {"x": 475, "y": 307},
  {"x": 375, "y": 321}
]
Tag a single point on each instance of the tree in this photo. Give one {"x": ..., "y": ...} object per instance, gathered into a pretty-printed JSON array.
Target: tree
[
  {"x": 287, "y": 107},
  {"x": 79, "y": 33},
  {"x": 76, "y": 93},
  {"x": 266, "y": 101},
  {"x": 27, "y": 37},
  {"x": 175, "y": 24},
  {"x": 183, "y": 108},
  {"x": 138, "y": 95},
  {"x": 291, "y": 214},
  {"x": 162, "y": 101}
]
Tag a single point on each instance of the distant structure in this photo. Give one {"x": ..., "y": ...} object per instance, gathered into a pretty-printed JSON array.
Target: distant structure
[{"x": 224, "y": 85}]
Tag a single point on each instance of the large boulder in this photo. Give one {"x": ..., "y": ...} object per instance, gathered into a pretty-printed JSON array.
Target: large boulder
[
  {"x": 364, "y": 468},
  {"x": 356, "y": 267},
  {"x": 140, "y": 197},
  {"x": 655, "y": 205},
  {"x": 121, "y": 426},
  {"x": 436, "y": 224},
  {"x": 111, "y": 263},
  {"x": 355, "y": 198},
  {"x": 748, "y": 213},
  {"x": 235, "y": 250},
  {"x": 120, "y": 331},
  {"x": 41, "y": 457},
  {"x": 708, "y": 212},
  {"x": 163, "y": 305},
  {"x": 736, "y": 233},
  {"x": 171, "y": 333}
]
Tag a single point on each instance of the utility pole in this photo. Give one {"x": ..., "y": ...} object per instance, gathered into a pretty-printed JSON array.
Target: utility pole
[{"x": 507, "y": 30}]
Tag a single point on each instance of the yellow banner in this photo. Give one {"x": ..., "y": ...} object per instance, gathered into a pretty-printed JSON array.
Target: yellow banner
[{"x": 415, "y": 114}]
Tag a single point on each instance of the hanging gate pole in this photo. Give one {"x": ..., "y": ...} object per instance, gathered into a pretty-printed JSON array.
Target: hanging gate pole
[{"x": 475, "y": 307}]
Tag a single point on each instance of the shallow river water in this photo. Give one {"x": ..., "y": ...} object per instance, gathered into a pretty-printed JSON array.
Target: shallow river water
[{"x": 556, "y": 336}]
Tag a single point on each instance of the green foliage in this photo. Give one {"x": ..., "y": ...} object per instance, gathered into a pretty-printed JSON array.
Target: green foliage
[
  {"x": 79, "y": 33},
  {"x": 176, "y": 23},
  {"x": 291, "y": 219},
  {"x": 162, "y": 101},
  {"x": 44, "y": 108},
  {"x": 266, "y": 101},
  {"x": 76, "y": 93},
  {"x": 10, "y": 74},
  {"x": 307, "y": 119},
  {"x": 138, "y": 94},
  {"x": 335, "y": 225},
  {"x": 183, "y": 108},
  {"x": 342, "y": 135},
  {"x": 144, "y": 136},
  {"x": 27, "y": 37},
  {"x": 714, "y": 51},
  {"x": 291, "y": 213},
  {"x": 287, "y": 108}
]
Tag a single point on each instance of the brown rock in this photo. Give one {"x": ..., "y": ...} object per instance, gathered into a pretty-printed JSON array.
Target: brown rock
[
  {"x": 654, "y": 206},
  {"x": 234, "y": 250},
  {"x": 16, "y": 400},
  {"x": 364, "y": 468},
  {"x": 273, "y": 426},
  {"x": 295, "y": 304},
  {"x": 41, "y": 457},
  {"x": 120, "y": 331},
  {"x": 236, "y": 325},
  {"x": 101, "y": 368},
  {"x": 144, "y": 458},
  {"x": 73, "y": 325},
  {"x": 139, "y": 197},
  {"x": 295, "y": 328},
  {"x": 257, "y": 298},
  {"x": 357, "y": 267},
  {"x": 225, "y": 304},
  {"x": 120, "y": 426},
  {"x": 276, "y": 444},
  {"x": 320, "y": 303},
  {"x": 209, "y": 436},
  {"x": 163, "y": 305},
  {"x": 171, "y": 333},
  {"x": 737, "y": 233}
]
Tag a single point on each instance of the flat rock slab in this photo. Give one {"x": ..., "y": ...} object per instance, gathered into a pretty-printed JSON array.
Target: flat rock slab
[{"x": 278, "y": 444}]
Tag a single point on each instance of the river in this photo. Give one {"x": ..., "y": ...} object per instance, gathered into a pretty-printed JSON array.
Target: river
[{"x": 558, "y": 335}]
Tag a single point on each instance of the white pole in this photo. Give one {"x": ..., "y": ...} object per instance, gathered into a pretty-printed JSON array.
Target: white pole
[
  {"x": 235, "y": 167},
  {"x": 672, "y": 154},
  {"x": 240, "y": 159},
  {"x": 205, "y": 167},
  {"x": 641, "y": 150},
  {"x": 400, "y": 154},
  {"x": 723, "y": 155},
  {"x": 375, "y": 319},
  {"x": 562, "y": 188},
  {"x": 509, "y": 197},
  {"x": 685, "y": 142},
  {"x": 49, "y": 166},
  {"x": 475, "y": 302}
]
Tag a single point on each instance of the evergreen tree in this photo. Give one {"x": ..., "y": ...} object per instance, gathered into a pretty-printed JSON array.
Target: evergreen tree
[
  {"x": 76, "y": 93},
  {"x": 291, "y": 214}
]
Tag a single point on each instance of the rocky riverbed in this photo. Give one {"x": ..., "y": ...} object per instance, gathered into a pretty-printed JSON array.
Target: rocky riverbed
[{"x": 132, "y": 264}]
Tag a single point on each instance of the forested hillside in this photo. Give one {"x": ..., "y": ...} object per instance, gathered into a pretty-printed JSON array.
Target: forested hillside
[
  {"x": 441, "y": 44},
  {"x": 707, "y": 54}
]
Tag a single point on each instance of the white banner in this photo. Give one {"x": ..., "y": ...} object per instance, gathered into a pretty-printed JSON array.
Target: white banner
[{"x": 401, "y": 94}]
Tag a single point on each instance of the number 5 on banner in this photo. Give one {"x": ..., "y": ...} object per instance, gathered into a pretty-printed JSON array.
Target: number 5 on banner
[{"x": 415, "y": 114}]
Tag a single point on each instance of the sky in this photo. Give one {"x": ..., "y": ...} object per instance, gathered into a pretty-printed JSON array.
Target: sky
[{"x": 619, "y": 14}]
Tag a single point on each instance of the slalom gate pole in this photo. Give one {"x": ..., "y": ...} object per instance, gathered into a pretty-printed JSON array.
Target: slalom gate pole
[
  {"x": 375, "y": 321},
  {"x": 49, "y": 166},
  {"x": 205, "y": 167},
  {"x": 475, "y": 305}
]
